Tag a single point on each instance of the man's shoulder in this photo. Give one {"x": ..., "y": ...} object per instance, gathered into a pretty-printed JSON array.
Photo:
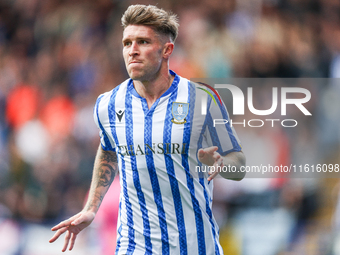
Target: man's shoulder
[
  {"x": 198, "y": 87},
  {"x": 191, "y": 83}
]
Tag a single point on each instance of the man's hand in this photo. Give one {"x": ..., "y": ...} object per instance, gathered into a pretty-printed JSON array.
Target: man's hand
[
  {"x": 210, "y": 157},
  {"x": 72, "y": 226},
  {"x": 104, "y": 171}
]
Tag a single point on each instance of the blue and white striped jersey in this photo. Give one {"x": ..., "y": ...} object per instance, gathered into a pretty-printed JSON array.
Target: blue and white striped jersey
[{"x": 164, "y": 208}]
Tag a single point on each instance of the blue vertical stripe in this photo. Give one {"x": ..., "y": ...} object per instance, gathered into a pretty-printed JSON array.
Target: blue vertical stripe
[
  {"x": 190, "y": 180},
  {"x": 153, "y": 176},
  {"x": 119, "y": 230},
  {"x": 120, "y": 227},
  {"x": 129, "y": 213},
  {"x": 136, "y": 181},
  {"x": 172, "y": 176},
  {"x": 213, "y": 133},
  {"x": 209, "y": 212}
]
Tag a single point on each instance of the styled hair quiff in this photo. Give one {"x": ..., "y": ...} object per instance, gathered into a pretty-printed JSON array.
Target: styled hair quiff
[{"x": 163, "y": 22}]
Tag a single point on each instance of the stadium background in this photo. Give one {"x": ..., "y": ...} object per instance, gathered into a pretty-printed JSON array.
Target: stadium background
[{"x": 57, "y": 56}]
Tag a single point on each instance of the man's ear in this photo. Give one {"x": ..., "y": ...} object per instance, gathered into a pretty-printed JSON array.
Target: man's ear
[{"x": 168, "y": 49}]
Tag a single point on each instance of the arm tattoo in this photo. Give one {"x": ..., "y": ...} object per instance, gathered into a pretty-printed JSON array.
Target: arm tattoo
[
  {"x": 107, "y": 169},
  {"x": 106, "y": 175},
  {"x": 95, "y": 204},
  {"x": 109, "y": 157}
]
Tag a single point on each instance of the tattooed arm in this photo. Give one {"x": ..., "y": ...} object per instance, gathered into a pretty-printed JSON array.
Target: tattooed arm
[{"x": 104, "y": 171}]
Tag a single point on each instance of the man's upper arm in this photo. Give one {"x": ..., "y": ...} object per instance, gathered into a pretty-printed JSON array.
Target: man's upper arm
[
  {"x": 220, "y": 132},
  {"x": 100, "y": 115}
]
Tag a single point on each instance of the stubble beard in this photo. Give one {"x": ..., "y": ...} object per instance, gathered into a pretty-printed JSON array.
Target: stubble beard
[{"x": 145, "y": 74}]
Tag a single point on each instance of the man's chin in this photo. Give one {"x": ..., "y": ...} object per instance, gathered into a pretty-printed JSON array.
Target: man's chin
[
  {"x": 135, "y": 75},
  {"x": 141, "y": 75},
  {"x": 136, "y": 78}
]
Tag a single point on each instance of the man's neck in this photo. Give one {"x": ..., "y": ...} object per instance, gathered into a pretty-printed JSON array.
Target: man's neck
[{"x": 152, "y": 90}]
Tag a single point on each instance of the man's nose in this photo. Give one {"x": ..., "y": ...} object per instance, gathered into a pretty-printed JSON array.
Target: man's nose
[{"x": 134, "y": 49}]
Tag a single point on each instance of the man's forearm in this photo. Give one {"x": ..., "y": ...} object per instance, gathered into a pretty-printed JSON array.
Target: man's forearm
[
  {"x": 235, "y": 160},
  {"x": 104, "y": 171}
]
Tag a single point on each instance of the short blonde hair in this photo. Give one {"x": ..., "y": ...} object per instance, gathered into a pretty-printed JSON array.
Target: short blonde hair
[{"x": 163, "y": 22}]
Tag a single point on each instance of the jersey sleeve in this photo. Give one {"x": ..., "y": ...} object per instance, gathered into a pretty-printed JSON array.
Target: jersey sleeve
[
  {"x": 100, "y": 116},
  {"x": 219, "y": 132}
]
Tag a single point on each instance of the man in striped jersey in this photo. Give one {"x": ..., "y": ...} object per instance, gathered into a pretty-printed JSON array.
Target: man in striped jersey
[{"x": 152, "y": 132}]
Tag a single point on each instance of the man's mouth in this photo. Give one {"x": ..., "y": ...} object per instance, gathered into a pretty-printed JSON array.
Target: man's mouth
[{"x": 135, "y": 62}]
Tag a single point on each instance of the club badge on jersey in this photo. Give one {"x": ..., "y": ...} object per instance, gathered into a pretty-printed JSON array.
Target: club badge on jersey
[{"x": 179, "y": 112}]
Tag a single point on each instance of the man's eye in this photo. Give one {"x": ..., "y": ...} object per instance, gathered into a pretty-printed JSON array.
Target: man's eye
[
  {"x": 143, "y": 42},
  {"x": 127, "y": 43}
]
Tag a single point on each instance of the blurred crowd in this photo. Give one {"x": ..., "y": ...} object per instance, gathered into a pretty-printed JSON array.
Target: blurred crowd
[{"x": 57, "y": 56}]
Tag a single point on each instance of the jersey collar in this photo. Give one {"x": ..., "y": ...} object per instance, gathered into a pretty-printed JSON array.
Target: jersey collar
[{"x": 173, "y": 86}]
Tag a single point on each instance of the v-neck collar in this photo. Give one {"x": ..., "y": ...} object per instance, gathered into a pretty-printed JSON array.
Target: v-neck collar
[{"x": 173, "y": 86}]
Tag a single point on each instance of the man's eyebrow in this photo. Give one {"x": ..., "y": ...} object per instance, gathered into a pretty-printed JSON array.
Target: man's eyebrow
[{"x": 137, "y": 38}]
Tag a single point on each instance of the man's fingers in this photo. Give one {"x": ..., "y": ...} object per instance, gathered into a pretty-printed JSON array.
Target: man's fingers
[
  {"x": 206, "y": 155},
  {"x": 72, "y": 227},
  {"x": 57, "y": 234},
  {"x": 214, "y": 170},
  {"x": 209, "y": 150},
  {"x": 201, "y": 153},
  {"x": 67, "y": 240},
  {"x": 212, "y": 176},
  {"x": 65, "y": 223},
  {"x": 72, "y": 241},
  {"x": 62, "y": 224}
]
